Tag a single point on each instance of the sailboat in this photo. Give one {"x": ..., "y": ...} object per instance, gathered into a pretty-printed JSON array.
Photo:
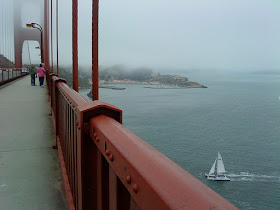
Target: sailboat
[{"x": 217, "y": 171}]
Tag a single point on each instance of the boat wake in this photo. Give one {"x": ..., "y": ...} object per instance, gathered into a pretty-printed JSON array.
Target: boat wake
[{"x": 245, "y": 176}]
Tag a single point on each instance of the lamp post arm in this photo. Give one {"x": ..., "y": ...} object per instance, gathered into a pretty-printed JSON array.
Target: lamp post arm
[
  {"x": 37, "y": 25},
  {"x": 33, "y": 25},
  {"x": 37, "y": 28}
]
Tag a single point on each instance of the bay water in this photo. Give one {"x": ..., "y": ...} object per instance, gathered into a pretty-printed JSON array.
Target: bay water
[{"x": 238, "y": 115}]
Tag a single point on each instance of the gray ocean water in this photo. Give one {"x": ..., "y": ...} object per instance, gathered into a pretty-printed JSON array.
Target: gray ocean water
[{"x": 238, "y": 115}]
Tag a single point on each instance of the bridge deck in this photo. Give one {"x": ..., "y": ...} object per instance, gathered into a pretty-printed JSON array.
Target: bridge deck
[{"x": 30, "y": 175}]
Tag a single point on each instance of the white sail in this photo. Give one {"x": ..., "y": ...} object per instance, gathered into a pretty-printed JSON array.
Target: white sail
[
  {"x": 212, "y": 170},
  {"x": 220, "y": 165}
]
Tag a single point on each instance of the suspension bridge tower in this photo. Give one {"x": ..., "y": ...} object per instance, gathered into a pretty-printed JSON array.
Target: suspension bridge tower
[{"x": 21, "y": 33}]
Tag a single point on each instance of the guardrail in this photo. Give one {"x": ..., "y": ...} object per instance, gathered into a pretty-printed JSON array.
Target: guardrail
[
  {"x": 10, "y": 74},
  {"x": 106, "y": 166}
]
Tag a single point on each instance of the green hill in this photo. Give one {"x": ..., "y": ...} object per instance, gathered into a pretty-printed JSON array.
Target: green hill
[{"x": 5, "y": 62}]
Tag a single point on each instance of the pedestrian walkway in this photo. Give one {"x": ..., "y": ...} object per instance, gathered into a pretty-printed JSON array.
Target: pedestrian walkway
[{"x": 30, "y": 174}]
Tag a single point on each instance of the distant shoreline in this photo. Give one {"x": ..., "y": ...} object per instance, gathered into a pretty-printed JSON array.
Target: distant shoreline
[
  {"x": 189, "y": 84},
  {"x": 153, "y": 85},
  {"x": 108, "y": 85},
  {"x": 140, "y": 76}
]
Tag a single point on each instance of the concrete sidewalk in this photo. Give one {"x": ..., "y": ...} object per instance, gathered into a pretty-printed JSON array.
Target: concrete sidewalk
[{"x": 30, "y": 174}]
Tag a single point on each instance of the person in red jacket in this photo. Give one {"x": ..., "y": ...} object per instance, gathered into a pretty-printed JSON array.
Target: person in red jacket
[{"x": 41, "y": 73}]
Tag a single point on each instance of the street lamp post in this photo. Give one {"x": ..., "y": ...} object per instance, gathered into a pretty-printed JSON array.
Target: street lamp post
[{"x": 33, "y": 25}]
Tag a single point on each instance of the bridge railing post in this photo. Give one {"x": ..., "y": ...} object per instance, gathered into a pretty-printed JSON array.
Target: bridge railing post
[
  {"x": 52, "y": 81},
  {"x": 65, "y": 102},
  {"x": 48, "y": 80},
  {"x": 92, "y": 167}
]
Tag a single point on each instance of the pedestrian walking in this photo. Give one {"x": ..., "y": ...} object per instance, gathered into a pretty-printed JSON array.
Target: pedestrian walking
[
  {"x": 32, "y": 72},
  {"x": 41, "y": 73}
]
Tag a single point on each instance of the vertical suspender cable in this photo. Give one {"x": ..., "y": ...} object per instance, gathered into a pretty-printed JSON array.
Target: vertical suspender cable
[
  {"x": 57, "y": 71},
  {"x": 46, "y": 34},
  {"x": 2, "y": 37},
  {"x": 29, "y": 53},
  {"x": 5, "y": 42},
  {"x": 6, "y": 30},
  {"x": 12, "y": 33},
  {"x": 3, "y": 32},
  {"x": 1, "y": 43},
  {"x": 51, "y": 37},
  {"x": 9, "y": 31},
  {"x": 6, "y": 35},
  {"x": 8, "y": 39},
  {"x": 95, "y": 49},
  {"x": 75, "y": 44}
]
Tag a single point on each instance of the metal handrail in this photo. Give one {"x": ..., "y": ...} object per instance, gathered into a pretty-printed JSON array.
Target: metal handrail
[
  {"x": 10, "y": 74},
  {"x": 106, "y": 165}
]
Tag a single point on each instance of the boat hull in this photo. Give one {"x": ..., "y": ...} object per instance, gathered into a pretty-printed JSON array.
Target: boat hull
[{"x": 217, "y": 178}]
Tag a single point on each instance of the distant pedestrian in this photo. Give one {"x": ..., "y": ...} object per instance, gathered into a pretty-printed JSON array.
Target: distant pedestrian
[
  {"x": 41, "y": 73},
  {"x": 32, "y": 73}
]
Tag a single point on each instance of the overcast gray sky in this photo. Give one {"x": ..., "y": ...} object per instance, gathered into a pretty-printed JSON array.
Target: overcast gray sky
[
  {"x": 216, "y": 34},
  {"x": 177, "y": 34}
]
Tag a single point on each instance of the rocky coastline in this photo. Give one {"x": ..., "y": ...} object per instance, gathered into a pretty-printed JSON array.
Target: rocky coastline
[
  {"x": 151, "y": 85},
  {"x": 186, "y": 84}
]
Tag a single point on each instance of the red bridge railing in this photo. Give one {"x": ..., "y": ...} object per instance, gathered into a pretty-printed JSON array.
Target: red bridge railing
[
  {"x": 106, "y": 166},
  {"x": 10, "y": 74}
]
